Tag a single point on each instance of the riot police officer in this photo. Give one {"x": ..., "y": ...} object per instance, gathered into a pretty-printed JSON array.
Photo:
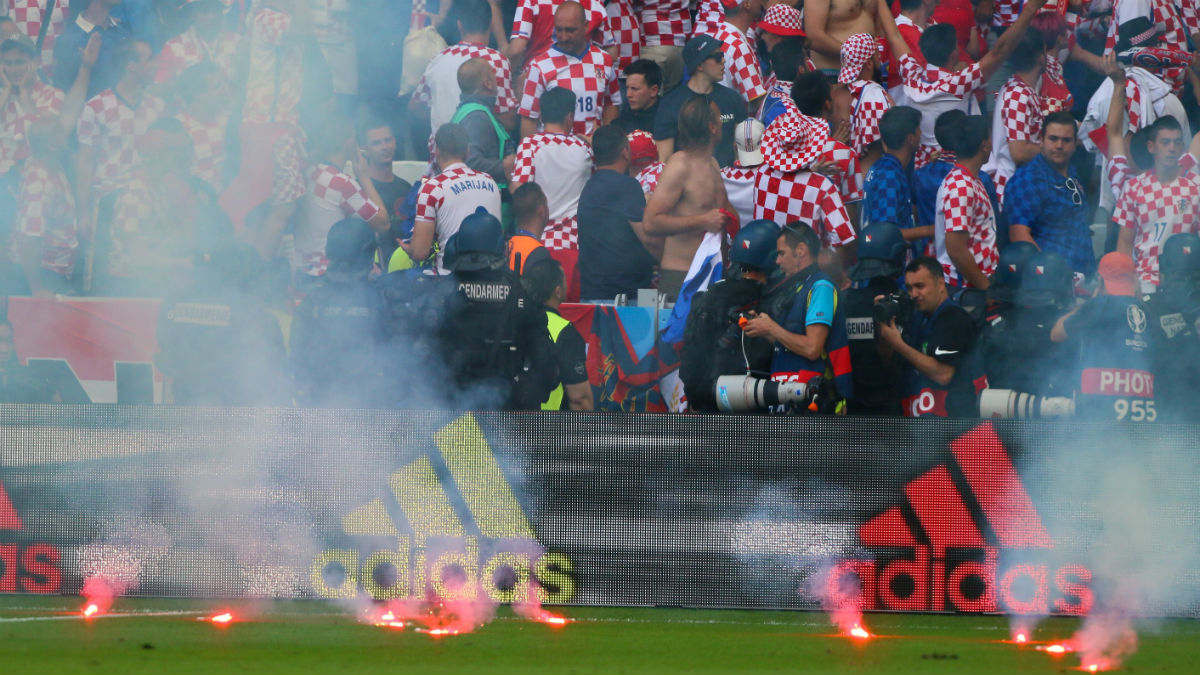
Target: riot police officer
[
  {"x": 218, "y": 345},
  {"x": 1175, "y": 322},
  {"x": 1116, "y": 380},
  {"x": 713, "y": 343},
  {"x": 881, "y": 254},
  {"x": 1017, "y": 350},
  {"x": 336, "y": 332},
  {"x": 496, "y": 344}
]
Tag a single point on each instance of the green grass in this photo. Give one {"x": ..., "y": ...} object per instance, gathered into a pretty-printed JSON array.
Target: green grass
[{"x": 317, "y": 637}]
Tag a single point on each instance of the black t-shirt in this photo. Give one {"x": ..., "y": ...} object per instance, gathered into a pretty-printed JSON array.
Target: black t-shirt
[
  {"x": 571, "y": 352},
  {"x": 612, "y": 259},
  {"x": 631, "y": 120},
  {"x": 731, "y": 105},
  {"x": 948, "y": 336},
  {"x": 393, "y": 193}
]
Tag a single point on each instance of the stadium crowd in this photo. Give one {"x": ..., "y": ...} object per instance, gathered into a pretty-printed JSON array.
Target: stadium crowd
[{"x": 919, "y": 207}]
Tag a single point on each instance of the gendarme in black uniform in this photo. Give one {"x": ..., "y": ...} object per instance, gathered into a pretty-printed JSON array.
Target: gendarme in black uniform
[
  {"x": 1175, "y": 327},
  {"x": 496, "y": 340}
]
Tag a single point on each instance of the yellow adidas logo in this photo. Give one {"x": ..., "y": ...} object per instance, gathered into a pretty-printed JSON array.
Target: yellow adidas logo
[{"x": 414, "y": 566}]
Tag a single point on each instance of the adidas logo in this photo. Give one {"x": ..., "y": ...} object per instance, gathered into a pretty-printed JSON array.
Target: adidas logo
[
  {"x": 25, "y": 567},
  {"x": 940, "y": 550},
  {"x": 457, "y": 529}
]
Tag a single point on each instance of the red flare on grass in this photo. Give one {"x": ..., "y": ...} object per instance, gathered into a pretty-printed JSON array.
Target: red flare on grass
[
  {"x": 223, "y": 618},
  {"x": 1057, "y": 648},
  {"x": 99, "y": 595},
  {"x": 857, "y": 631},
  {"x": 1021, "y": 638},
  {"x": 90, "y": 610}
]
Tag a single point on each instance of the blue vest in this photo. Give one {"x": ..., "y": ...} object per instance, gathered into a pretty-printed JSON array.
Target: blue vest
[
  {"x": 834, "y": 363},
  {"x": 1116, "y": 379}
]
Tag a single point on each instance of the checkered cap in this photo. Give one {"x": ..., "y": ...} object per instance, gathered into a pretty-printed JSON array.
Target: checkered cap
[
  {"x": 781, "y": 19},
  {"x": 794, "y": 142},
  {"x": 856, "y": 51},
  {"x": 642, "y": 149}
]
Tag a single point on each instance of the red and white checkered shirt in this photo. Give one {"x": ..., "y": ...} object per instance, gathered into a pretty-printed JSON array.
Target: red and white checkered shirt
[
  {"x": 648, "y": 177},
  {"x": 593, "y": 79},
  {"x": 288, "y": 182},
  {"x": 963, "y": 206},
  {"x": 27, "y": 14},
  {"x": 1155, "y": 212},
  {"x": 188, "y": 49},
  {"x": 806, "y": 196},
  {"x": 332, "y": 196},
  {"x": 626, "y": 32},
  {"x": 709, "y": 15},
  {"x": 933, "y": 91},
  {"x": 742, "y": 72},
  {"x": 111, "y": 127},
  {"x": 740, "y": 185},
  {"x": 561, "y": 164},
  {"x": 1053, "y": 93},
  {"x": 139, "y": 216},
  {"x": 15, "y": 121},
  {"x": 46, "y": 209},
  {"x": 1173, "y": 21},
  {"x": 850, "y": 178},
  {"x": 275, "y": 75},
  {"x": 1005, "y": 12},
  {"x": 665, "y": 23},
  {"x": 1018, "y": 117},
  {"x": 208, "y": 144},
  {"x": 452, "y": 195},
  {"x": 534, "y": 21},
  {"x": 439, "y": 90},
  {"x": 871, "y": 101}
]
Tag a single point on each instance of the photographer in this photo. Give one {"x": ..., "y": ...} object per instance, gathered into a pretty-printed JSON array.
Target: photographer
[
  {"x": 804, "y": 319},
  {"x": 936, "y": 342},
  {"x": 1116, "y": 382},
  {"x": 881, "y": 253},
  {"x": 713, "y": 344}
]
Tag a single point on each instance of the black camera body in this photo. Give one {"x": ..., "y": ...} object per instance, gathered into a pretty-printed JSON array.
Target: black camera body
[{"x": 897, "y": 305}]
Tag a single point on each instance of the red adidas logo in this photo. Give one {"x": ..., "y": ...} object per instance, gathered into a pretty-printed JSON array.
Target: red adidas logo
[
  {"x": 27, "y": 568},
  {"x": 941, "y": 549}
]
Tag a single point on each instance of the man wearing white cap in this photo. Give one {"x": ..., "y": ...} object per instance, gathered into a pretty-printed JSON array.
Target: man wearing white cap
[
  {"x": 740, "y": 178},
  {"x": 869, "y": 101},
  {"x": 787, "y": 190}
]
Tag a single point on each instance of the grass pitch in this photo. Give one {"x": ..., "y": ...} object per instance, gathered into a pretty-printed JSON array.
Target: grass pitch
[{"x": 47, "y": 635}]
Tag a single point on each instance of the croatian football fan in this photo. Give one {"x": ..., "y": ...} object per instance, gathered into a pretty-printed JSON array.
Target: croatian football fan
[
  {"x": 1158, "y": 203},
  {"x": 690, "y": 197},
  {"x": 576, "y": 64},
  {"x": 456, "y": 192},
  {"x": 561, "y": 163},
  {"x": 965, "y": 227}
]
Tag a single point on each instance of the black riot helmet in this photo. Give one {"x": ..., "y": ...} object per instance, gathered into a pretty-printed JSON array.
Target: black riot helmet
[
  {"x": 479, "y": 243},
  {"x": 881, "y": 252},
  {"x": 1180, "y": 259},
  {"x": 350, "y": 245},
  {"x": 1046, "y": 281},
  {"x": 1007, "y": 278},
  {"x": 754, "y": 245}
]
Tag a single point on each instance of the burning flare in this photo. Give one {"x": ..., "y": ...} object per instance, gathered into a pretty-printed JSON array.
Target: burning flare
[
  {"x": 1056, "y": 648},
  {"x": 223, "y": 618},
  {"x": 857, "y": 631},
  {"x": 99, "y": 597}
]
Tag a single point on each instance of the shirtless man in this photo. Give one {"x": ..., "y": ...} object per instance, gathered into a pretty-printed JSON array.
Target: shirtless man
[
  {"x": 690, "y": 198},
  {"x": 829, "y": 22}
]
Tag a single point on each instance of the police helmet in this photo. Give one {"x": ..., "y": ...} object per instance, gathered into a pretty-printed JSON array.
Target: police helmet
[
  {"x": 754, "y": 245},
  {"x": 1180, "y": 257},
  {"x": 1046, "y": 280},
  {"x": 350, "y": 245},
  {"x": 1007, "y": 278},
  {"x": 881, "y": 252},
  {"x": 479, "y": 243}
]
